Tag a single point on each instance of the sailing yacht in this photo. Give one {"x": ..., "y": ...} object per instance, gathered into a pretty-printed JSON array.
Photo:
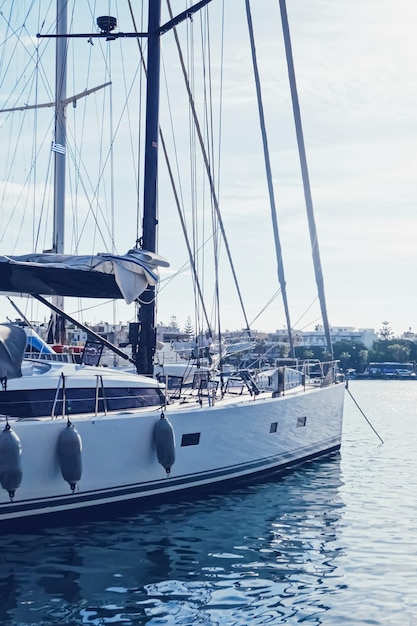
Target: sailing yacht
[{"x": 61, "y": 460}]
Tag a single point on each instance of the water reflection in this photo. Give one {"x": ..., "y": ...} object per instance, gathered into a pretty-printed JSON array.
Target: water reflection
[{"x": 260, "y": 554}]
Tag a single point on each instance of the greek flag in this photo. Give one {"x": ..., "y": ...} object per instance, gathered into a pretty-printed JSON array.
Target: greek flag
[{"x": 57, "y": 147}]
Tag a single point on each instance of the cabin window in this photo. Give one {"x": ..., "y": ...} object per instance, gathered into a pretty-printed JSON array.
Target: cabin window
[
  {"x": 190, "y": 439},
  {"x": 274, "y": 427},
  {"x": 301, "y": 421}
]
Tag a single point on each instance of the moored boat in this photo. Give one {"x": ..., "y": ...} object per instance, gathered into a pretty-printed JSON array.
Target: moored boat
[{"x": 61, "y": 459}]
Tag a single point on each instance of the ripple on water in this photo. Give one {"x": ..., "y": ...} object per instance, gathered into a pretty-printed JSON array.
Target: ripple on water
[{"x": 332, "y": 543}]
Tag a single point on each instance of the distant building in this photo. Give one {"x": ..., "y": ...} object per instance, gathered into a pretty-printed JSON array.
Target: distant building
[
  {"x": 168, "y": 334},
  {"x": 317, "y": 338},
  {"x": 274, "y": 343}
]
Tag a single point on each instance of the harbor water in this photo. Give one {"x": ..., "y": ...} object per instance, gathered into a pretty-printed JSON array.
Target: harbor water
[{"x": 332, "y": 542}]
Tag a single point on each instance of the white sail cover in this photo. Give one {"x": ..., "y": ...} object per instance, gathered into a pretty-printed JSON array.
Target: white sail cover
[{"x": 103, "y": 275}]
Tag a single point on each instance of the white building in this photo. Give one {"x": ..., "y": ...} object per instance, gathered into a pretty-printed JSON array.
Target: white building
[{"x": 317, "y": 338}]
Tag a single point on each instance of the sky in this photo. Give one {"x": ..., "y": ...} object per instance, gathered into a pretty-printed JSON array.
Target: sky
[{"x": 356, "y": 78}]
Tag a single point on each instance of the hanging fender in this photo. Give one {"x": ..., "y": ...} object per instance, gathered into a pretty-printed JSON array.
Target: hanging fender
[
  {"x": 69, "y": 454},
  {"x": 10, "y": 461},
  {"x": 164, "y": 439}
]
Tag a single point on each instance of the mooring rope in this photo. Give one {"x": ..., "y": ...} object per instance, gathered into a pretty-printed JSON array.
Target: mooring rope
[{"x": 380, "y": 438}]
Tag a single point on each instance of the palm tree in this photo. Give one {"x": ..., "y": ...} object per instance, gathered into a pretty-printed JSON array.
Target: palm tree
[
  {"x": 188, "y": 328},
  {"x": 385, "y": 332},
  {"x": 344, "y": 358}
]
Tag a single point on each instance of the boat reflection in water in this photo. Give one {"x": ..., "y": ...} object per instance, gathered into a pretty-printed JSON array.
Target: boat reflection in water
[{"x": 264, "y": 551}]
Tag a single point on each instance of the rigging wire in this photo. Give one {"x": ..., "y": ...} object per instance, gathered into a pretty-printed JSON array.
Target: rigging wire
[
  {"x": 199, "y": 259},
  {"x": 31, "y": 76},
  {"x": 82, "y": 181},
  {"x": 270, "y": 301},
  {"x": 310, "y": 323},
  {"x": 280, "y": 264},
  {"x": 113, "y": 247},
  {"x": 305, "y": 175},
  {"x": 306, "y": 311},
  {"x": 173, "y": 185},
  {"x": 219, "y": 328},
  {"x": 207, "y": 167},
  {"x": 139, "y": 140},
  {"x": 208, "y": 93}
]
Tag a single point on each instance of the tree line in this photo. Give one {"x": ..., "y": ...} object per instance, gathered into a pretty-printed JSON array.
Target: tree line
[{"x": 355, "y": 355}]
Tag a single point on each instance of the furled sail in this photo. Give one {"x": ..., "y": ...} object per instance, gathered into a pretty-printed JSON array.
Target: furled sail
[{"x": 103, "y": 275}]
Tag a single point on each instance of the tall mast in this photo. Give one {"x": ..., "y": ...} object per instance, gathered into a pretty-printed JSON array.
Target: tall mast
[
  {"x": 57, "y": 333},
  {"x": 147, "y": 338},
  {"x": 305, "y": 176},
  {"x": 278, "y": 249},
  {"x": 60, "y": 126},
  {"x": 147, "y": 333}
]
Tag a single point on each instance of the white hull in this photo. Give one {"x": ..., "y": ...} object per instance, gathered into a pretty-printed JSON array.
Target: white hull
[{"x": 229, "y": 440}]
